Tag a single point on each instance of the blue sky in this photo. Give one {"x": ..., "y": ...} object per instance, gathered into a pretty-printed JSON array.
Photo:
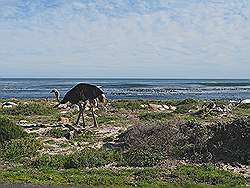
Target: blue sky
[{"x": 125, "y": 38}]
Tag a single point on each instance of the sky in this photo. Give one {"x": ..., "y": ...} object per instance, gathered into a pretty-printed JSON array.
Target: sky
[{"x": 125, "y": 38}]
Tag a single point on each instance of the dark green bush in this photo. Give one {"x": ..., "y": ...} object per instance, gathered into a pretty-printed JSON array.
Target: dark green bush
[
  {"x": 225, "y": 142},
  {"x": 149, "y": 144},
  {"x": 17, "y": 149},
  {"x": 9, "y": 130},
  {"x": 231, "y": 141},
  {"x": 29, "y": 109}
]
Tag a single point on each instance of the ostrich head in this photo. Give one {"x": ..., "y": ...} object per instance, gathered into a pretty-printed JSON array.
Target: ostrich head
[
  {"x": 56, "y": 93},
  {"x": 103, "y": 99}
]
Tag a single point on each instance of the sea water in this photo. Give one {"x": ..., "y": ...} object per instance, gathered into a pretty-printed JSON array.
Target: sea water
[{"x": 155, "y": 89}]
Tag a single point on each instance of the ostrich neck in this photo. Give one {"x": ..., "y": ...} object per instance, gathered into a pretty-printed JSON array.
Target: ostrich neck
[{"x": 58, "y": 97}]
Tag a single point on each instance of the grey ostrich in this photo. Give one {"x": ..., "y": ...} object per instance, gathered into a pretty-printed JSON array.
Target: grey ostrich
[{"x": 80, "y": 95}]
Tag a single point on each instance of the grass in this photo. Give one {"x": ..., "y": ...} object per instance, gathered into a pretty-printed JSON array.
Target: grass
[
  {"x": 110, "y": 120},
  {"x": 183, "y": 176},
  {"x": 86, "y": 136},
  {"x": 50, "y": 142}
]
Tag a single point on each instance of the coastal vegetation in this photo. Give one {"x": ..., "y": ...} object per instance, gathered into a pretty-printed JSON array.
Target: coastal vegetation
[{"x": 184, "y": 143}]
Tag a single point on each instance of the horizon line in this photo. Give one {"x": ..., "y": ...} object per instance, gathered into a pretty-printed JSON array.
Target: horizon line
[{"x": 153, "y": 78}]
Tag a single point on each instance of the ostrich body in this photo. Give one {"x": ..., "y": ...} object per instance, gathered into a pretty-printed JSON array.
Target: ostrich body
[{"x": 82, "y": 94}]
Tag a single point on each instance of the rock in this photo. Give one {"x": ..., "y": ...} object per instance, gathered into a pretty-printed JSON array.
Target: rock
[
  {"x": 115, "y": 146},
  {"x": 246, "y": 101},
  {"x": 63, "y": 106},
  {"x": 165, "y": 106},
  {"x": 155, "y": 106},
  {"x": 23, "y": 122},
  {"x": 172, "y": 108},
  {"x": 9, "y": 105},
  {"x": 143, "y": 105},
  {"x": 63, "y": 112},
  {"x": 218, "y": 109},
  {"x": 63, "y": 120},
  {"x": 162, "y": 109}
]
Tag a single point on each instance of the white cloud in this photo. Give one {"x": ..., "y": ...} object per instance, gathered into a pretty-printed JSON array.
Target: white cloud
[{"x": 117, "y": 39}]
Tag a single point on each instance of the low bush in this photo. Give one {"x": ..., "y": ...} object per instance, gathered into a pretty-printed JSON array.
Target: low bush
[
  {"x": 49, "y": 161},
  {"x": 9, "y": 130},
  {"x": 18, "y": 149},
  {"x": 187, "y": 101},
  {"x": 92, "y": 158},
  {"x": 148, "y": 144},
  {"x": 58, "y": 132},
  {"x": 151, "y": 116},
  {"x": 208, "y": 174},
  {"x": 87, "y": 157},
  {"x": 129, "y": 104}
]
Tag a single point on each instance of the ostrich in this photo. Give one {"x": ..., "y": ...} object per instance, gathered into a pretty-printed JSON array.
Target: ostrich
[{"x": 82, "y": 93}]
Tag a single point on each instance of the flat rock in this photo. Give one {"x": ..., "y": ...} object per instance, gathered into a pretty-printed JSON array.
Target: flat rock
[{"x": 246, "y": 101}]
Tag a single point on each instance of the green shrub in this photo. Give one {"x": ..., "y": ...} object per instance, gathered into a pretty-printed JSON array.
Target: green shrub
[
  {"x": 89, "y": 157},
  {"x": 244, "y": 106},
  {"x": 128, "y": 104},
  {"x": 58, "y": 132},
  {"x": 9, "y": 130},
  {"x": 187, "y": 101},
  {"x": 208, "y": 174},
  {"x": 142, "y": 157},
  {"x": 155, "y": 116},
  {"x": 17, "y": 149},
  {"x": 50, "y": 161},
  {"x": 29, "y": 109}
]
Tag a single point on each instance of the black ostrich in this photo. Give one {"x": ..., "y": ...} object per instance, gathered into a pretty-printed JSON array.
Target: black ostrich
[{"x": 82, "y": 94}]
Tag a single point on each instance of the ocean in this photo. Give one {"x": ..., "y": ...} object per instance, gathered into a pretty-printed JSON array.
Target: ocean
[{"x": 153, "y": 89}]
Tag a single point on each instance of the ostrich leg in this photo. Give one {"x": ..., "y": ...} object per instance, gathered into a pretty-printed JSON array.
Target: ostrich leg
[
  {"x": 95, "y": 122},
  {"x": 79, "y": 115},
  {"x": 83, "y": 122}
]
